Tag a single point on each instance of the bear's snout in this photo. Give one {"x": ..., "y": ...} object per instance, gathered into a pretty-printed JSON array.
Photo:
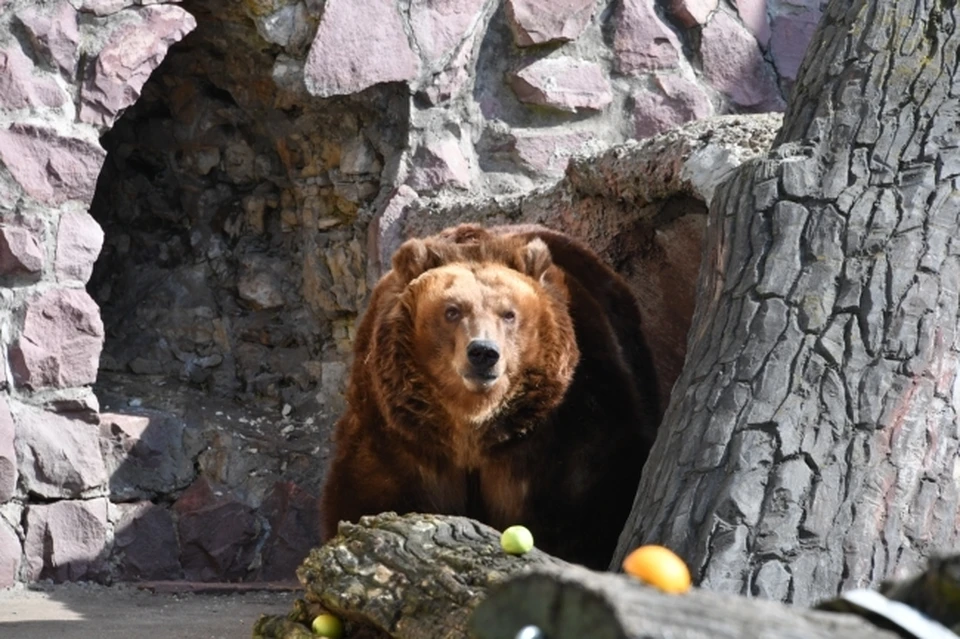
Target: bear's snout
[{"x": 483, "y": 355}]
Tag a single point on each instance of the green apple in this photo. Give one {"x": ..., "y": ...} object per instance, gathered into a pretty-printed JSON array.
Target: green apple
[
  {"x": 516, "y": 540},
  {"x": 327, "y": 626}
]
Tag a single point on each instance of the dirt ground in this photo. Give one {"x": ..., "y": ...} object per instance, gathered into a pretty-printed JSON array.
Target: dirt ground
[{"x": 80, "y": 611}]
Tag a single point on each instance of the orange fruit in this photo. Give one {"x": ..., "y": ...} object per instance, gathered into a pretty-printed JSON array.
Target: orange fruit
[{"x": 659, "y": 567}]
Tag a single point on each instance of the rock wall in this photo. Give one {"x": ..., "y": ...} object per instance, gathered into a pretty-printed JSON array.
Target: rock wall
[{"x": 196, "y": 197}]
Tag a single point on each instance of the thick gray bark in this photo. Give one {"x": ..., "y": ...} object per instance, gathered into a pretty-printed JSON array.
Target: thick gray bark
[{"x": 811, "y": 442}]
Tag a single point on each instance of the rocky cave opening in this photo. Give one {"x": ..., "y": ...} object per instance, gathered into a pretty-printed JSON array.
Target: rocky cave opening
[{"x": 234, "y": 209}]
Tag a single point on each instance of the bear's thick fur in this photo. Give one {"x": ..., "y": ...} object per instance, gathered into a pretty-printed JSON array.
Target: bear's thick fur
[{"x": 499, "y": 374}]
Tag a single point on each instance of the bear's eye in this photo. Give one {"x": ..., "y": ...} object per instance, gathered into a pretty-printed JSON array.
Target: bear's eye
[
  {"x": 452, "y": 314},
  {"x": 509, "y": 316}
]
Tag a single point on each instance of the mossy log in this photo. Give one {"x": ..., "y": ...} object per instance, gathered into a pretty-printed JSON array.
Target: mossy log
[{"x": 425, "y": 576}]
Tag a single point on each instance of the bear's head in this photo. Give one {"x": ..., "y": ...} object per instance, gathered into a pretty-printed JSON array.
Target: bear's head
[{"x": 479, "y": 329}]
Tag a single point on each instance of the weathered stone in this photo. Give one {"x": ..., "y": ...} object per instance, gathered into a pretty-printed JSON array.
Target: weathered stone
[
  {"x": 66, "y": 540},
  {"x": 451, "y": 80},
  {"x": 563, "y": 83},
  {"x": 21, "y": 87},
  {"x": 791, "y": 33},
  {"x": 115, "y": 78},
  {"x": 289, "y": 26},
  {"x": 60, "y": 343},
  {"x": 641, "y": 41},
  {"x": 294, "y": 525},
  {"x": 678, "y": 101},
  {"x": 146, "y": 542},
  {"x": 753, "y": 13},
  {"x": 239, "y": 162},
  {"x": 439, "y": 27},
  {"x": 20, "y": 251},
  {"x": 11, "y": 554},
  {"x": 358, "y": 157},
  {"x": 8, "y": 460},
  {"x": 733, "y": 64},
  {"x": 693, "y": 12},
  {"x": 59, "y": 456},
  {"x": 260, "y": 288},
  {"x": 50, "y": 167},
  {"x": 541, "y": 21},
  {"x": 385, "y": 234},
  {"x": 79, "y": 240},
  {"x": 55, "y": 34},
  {"x": 548, "y": 152},
  {"x": 343, "y": 60},
  {"x": 218, "y": 535},
  {"x": 106, "y": 7},
  {"x": 145, "y": 454},
  {"x": 438, "y": 162}
]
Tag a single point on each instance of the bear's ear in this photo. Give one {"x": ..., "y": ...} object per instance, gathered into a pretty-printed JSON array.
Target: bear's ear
[
  {"x": 413, "y": 258},
  {"x": 536, "y": 258}
]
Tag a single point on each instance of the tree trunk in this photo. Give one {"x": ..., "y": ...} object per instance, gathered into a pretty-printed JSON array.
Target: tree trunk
[{"x": 811, "y": 442}]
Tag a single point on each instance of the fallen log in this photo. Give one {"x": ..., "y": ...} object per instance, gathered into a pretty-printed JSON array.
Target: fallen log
[
  {"x": 411, "y": 576},
  {"x": 436, "y": 577}
]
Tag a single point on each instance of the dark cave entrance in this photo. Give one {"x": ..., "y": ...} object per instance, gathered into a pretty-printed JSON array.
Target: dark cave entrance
[{"x": 235, "y": 209}]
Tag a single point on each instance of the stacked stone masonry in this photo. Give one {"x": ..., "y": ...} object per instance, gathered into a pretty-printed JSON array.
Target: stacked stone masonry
[{"x": 196, "y": 198}]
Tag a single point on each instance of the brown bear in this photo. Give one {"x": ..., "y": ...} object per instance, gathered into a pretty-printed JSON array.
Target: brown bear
[{"x": 499, "y": 374}]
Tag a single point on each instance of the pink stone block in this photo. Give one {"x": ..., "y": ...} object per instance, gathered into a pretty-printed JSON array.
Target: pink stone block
[
  {"x": 385, "y": 234},
  {"x": 541, "y": 21},
  {"x": 59, "y": 453},
  {"x": 439, "y": 162},
  {"x": 548, "y": 152},
  {"x": 123, "y": 66},
  {"x": 79, "y": 240},
  {"x": 8, "y": 457},
  {"x": 692, "y": 12},
  {"x": 20, "y": 251},
  {"x": 55, "y": 34},
  {"x": 753, "y": 13},
  {"x": 21, "y": 86},
  {"x": 10, "y": 555},
  {"x": 641, "y": 41},
  {"x": 66, "y": 540},
  {"x": 352, "y": 52},
  {"x": 49, "y": 167},
  {"x": 60, "y": 343},
  {"x": 791, "y": 36},
  {"x": 563, "y": 83},
  {"x": 440, "y": 26},
  {"x": 678, "y": 100},
  {"x": 106, "y": 7},
  {"x": 733, "y": 64}
]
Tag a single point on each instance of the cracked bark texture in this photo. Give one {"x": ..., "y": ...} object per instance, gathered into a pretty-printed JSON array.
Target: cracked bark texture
[
  {"x": 410, "y": 576},
  {"x": 811, "y": 442}
]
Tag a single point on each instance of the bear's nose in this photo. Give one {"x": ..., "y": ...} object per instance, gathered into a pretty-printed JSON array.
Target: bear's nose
[{"x": 483, "y": 354}]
